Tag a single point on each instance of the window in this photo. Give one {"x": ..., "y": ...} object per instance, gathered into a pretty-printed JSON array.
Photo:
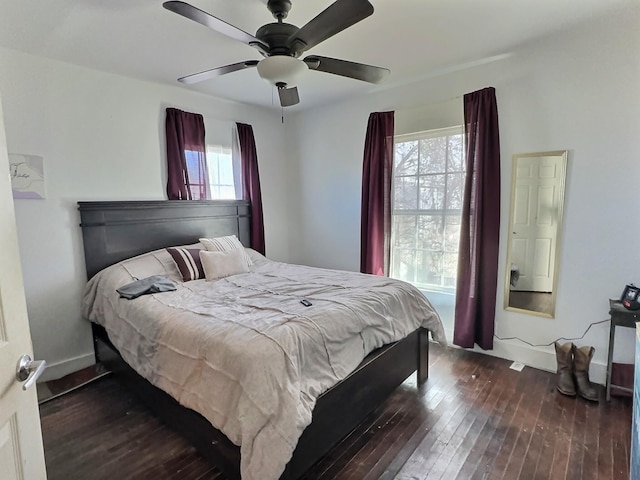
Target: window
[
  {"x": 197, "y": 175},
  {"x": 220, "y": 166},
  {"x": 216, "y": 181},
  {"x": 428, "y": 187}
]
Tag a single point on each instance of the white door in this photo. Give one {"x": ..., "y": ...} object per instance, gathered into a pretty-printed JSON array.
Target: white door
[
  {"x": 535, "y": 225},
  {"x": 21, "y": 451}
]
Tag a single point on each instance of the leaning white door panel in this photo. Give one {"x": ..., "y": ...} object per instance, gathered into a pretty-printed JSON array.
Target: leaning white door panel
[{"x": 21, "y": 452}]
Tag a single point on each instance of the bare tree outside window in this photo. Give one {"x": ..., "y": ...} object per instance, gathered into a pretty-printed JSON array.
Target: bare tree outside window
[{"x": 428, "y": 185}]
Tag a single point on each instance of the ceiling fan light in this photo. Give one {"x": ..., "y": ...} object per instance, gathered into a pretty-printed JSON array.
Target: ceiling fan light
[{"x": 281, "y": 69}]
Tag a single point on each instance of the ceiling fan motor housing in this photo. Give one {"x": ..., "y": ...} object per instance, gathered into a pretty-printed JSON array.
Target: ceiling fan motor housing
[
  {"x": 276, "y": 36},
  {"x": 279, "y": 8}
]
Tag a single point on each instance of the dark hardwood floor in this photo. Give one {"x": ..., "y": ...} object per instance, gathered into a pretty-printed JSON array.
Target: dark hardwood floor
[
  {"x": 537, "y": 301},
  {"x": 474, "y": 419}
]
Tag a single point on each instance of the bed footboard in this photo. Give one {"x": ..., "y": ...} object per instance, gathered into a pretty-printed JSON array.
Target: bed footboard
[
  {"x": 338, "y": 411},
  {"x": 422, "y": 372}
]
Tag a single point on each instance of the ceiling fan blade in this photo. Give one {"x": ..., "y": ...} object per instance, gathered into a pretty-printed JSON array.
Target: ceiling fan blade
[
  {"x": 216, "y": 72},
  {"x": 359, "y": 71},
  {"x": 288, "y": 96},
  {"x": 220, "y": 26},
  {"x": 338, "y": 16}
]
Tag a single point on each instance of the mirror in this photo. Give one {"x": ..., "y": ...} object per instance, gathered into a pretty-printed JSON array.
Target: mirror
[{"x": 535, "y": 225}]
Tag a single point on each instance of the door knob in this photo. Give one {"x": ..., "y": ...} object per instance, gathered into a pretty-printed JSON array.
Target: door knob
[{"x": 28, "y": 370}]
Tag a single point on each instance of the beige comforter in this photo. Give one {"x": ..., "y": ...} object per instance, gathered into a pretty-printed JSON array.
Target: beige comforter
[{"x": 244, "y": 352}]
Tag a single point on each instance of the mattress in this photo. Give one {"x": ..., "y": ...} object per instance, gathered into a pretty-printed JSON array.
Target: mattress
[{"x": 244, "y": 352}]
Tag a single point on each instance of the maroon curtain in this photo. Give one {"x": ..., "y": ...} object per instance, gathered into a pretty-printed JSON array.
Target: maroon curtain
[
  {"x": 251, "y": 184},
  {"x": 480, "y": 226},
  {"x": 377, "y": 168},
  {"x": 187, "y": 177}
]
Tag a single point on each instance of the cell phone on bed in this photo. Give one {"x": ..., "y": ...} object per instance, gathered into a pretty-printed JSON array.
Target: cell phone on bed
[{"x": 306, "y": 302}]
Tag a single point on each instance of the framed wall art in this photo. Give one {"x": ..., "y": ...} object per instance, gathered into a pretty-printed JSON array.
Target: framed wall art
[{"x": 27, "y": 176}]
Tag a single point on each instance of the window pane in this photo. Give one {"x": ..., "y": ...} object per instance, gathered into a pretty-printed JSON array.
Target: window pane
[
  {"x": 227, "y": 193},
  {"x": 197, "y": 178},
  {"x": 406, "y": 193},
  {"x": 220, "y": 165},
  {"x": 404, "y": 264},
  {"x": 432, "y": 192},
  {"x": 430, "y": 232},
  {"x": 455, "y": 153},
  {"x": 455, "y": 191},
  {"x": 195, "y": 192},
  {"x": 429, "y": 269},
  {"x": 451, "y": 233},
  {"x": 193, "y": 166},
  {"x": 433, "y": 155},
  {"x": 404, "y": 228},
  {"x": 226, "y": 169},
  {"x": 406, "y": 158},
  {"x": 450, "y": 269}
]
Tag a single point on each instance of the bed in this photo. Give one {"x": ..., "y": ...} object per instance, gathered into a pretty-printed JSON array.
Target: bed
[{"x": 323, "y": 391}]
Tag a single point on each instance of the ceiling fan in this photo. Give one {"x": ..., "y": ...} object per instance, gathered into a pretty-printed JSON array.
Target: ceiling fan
[{"x": 282, "y": 43}]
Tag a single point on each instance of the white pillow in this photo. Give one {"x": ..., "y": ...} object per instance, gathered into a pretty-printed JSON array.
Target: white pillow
[
  {"x": 223, "y": 264},
  {"x": 225, "y": 244}
]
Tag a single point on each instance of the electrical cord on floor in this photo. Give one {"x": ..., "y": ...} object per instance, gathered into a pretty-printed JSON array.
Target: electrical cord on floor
[{"x": 551, "y": 343}]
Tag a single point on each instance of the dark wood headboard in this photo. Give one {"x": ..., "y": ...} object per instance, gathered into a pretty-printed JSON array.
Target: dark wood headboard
[{"x": 115, "y": 230}]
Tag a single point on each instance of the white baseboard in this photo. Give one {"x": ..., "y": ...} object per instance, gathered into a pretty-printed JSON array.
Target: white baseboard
[
  {"x": 542, "y": 358},
  {"x": 67, "y": 366}
]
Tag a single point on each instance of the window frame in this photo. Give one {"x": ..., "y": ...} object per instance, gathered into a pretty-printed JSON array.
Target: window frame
[{"x": 417, "y": 212}]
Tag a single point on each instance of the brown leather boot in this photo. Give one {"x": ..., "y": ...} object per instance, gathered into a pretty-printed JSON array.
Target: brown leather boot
[
  {"x": 581, "y": 361},
  {"x": 564, "y": 357}
]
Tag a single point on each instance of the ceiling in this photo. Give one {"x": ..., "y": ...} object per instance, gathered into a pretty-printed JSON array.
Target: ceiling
[{"x": 413, "y": 38}]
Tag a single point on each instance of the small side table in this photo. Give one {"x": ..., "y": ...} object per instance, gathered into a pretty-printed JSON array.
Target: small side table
[{"x": 620, "y": 317}]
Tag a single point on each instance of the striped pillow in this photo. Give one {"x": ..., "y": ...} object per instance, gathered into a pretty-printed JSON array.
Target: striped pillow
[
  {"x": 188, "y": 262},
  {"x": 225, "y": 244}
]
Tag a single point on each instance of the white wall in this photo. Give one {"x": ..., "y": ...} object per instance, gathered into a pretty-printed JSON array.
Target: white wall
[
  {"x": 102, "y": 138},
  {"x": 576, "y": 91}
]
